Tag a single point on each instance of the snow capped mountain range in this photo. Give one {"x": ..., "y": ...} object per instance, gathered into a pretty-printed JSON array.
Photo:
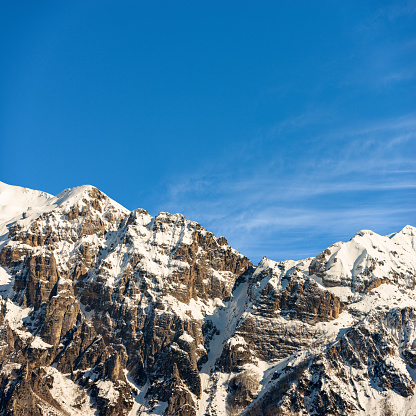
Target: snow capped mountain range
[{"x": 106, "y": 311}]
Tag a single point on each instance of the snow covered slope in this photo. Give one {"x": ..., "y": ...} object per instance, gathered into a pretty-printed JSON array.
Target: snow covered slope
[
  {"x": 368, "y": 260},
  {"x": 110, "y": 312},
  {"x": 15, "y": 201}
]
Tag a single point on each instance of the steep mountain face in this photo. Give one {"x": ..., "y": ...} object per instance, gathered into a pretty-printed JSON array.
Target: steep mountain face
[{"x": 111, "y": 312}]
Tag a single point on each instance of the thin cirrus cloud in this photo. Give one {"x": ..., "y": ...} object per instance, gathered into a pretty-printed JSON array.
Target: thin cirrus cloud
[
  {"x": 373, "y": 153},
  {"x": 393, "y": 12},
  {"x": 385, "y": 54},
  {"x": 339, "y": 183},
  {"x": 397, "y": 76},
  {"x": 286, "y": 233}
]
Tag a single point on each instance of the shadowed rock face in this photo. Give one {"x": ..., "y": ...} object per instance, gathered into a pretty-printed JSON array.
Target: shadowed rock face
[
  {"x": 301, "y": 299},
  {"x": 96, "y": 292},
  {"x": 323, "y": 383},
  {"x": 285, "y": 306}
]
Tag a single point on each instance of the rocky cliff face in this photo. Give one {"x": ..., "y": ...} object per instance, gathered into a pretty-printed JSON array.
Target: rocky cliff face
[{"x": 111, "y": 312}]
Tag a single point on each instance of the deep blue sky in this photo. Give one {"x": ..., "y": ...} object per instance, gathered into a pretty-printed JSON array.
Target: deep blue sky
[{"x": 283, "y": 125}]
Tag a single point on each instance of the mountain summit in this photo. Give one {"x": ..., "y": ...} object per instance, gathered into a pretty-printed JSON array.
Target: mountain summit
[{"x": 106, "y": 311}]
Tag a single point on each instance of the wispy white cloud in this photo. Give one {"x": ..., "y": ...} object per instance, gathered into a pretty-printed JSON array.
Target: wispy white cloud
[
  {"x": 384, "y": 55},
  {"x": 398, "y": 76},
  {"x": 338, "y": 183},
  {"x": 292, "y": 233},
  {"x": 405, "y": 8}
]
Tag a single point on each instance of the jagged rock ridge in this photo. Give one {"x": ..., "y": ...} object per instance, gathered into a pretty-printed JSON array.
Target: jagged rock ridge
[{"x": 111, "y": 312}]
